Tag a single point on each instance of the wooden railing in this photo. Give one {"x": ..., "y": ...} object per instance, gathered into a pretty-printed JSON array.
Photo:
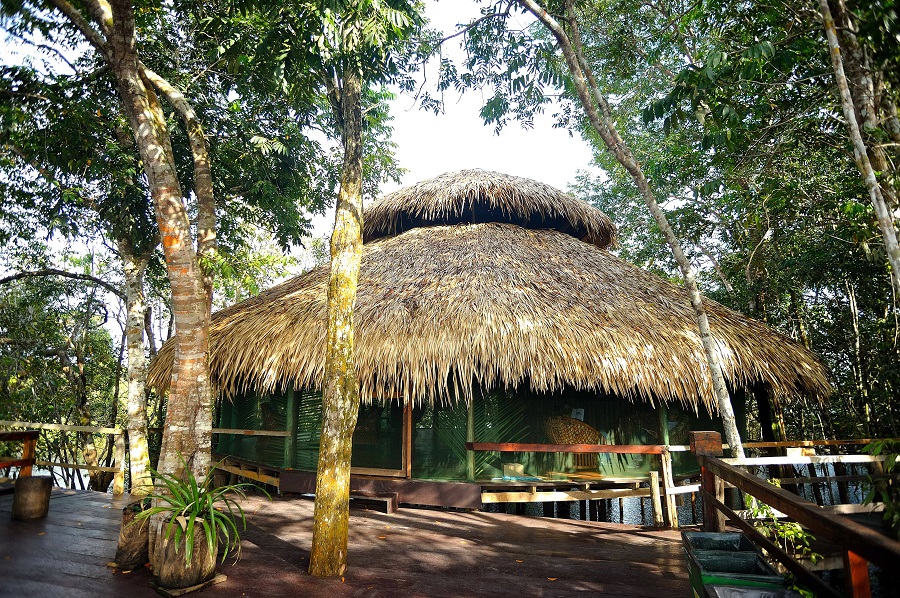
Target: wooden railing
[
  {"x": 29, "y": 445},
  {"x": 662, "y": 488},
  {"x": 859, "y": 543},
  {"x": 118, "y": 468}
]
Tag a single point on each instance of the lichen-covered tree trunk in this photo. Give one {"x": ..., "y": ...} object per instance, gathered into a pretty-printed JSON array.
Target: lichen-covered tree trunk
[
  {"x": 599, "y": 114},
  {"x": 136, "y": 402},
  {"x": 340, "y": 400}
]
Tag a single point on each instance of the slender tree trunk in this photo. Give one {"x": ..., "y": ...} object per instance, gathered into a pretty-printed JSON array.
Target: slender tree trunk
[
  {"x": 599, "y": 114},
  {"x": 136, "y": 403},
  {"x": 340, "y": 404},
  {"x": 885, "y": 218}
]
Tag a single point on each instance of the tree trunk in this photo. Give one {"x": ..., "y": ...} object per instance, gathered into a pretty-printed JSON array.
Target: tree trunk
[
  {"x": 599, "y": 114},
  {"x": 340, "y": 401},
  {"x": 187, "y": 433},
  {"x": 885, "y": 218},
  {"x": 136, "y": 403}
]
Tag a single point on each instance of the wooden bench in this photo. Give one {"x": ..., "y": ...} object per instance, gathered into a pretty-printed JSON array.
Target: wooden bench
[{"x": 29, "y": 446}]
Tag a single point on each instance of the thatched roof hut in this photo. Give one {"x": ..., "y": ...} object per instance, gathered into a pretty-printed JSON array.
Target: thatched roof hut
[{"x": 481, "y": 278}]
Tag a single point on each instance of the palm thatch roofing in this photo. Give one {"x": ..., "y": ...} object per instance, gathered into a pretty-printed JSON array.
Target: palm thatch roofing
[
  {"x": 440, "y": 307},
  {"x": 472, "y": 196}
]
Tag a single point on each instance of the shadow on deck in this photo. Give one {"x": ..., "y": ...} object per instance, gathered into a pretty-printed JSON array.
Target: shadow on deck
[{"x": 413, "y": 552}]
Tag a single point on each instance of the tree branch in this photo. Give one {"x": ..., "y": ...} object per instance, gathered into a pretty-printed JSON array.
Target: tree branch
[
  {"x": 203, "y": 186},
  {"x": 46, "y": 272},
  {"x": 475, "y": 24},
  {"x": 82, "y": 24}
]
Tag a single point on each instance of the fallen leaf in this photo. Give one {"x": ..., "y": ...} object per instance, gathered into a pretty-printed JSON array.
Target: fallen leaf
[
  {"x": 382, "y": 537},
  {"x": 125, "y": 572},
  {"x": 342, "y": 580},
  {"x": 552, "y": 578},
  {"x": 519, "y": 561},
  {"x": 6, "y": 558},
  {"x": 42, "y": 534}
]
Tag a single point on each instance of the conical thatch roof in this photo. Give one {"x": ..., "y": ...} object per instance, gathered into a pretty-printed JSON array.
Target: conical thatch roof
[
  {"x": 475, "y": 196},
  {"x": 439, "y": 307}
]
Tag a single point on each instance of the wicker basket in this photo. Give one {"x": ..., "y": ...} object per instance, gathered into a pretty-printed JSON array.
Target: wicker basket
[{"x": 561, "y": 429}]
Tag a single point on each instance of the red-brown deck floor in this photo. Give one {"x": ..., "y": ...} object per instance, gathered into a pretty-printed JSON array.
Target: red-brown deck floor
[{"x": 413, "y": 552}]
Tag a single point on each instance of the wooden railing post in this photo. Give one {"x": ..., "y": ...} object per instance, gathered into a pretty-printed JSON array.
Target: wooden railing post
[
  {"x": 856, "y": 574},
  {"x": 470, "y": 437},
  {"x": 668, "y": 482},
  {"x": 655, "y": 504},
  {"x": 292, "y": 415},
  {"x": 709, "y": 444},
  {"x": 119, "y": 476},
  {"x": 29, "y": 452}
]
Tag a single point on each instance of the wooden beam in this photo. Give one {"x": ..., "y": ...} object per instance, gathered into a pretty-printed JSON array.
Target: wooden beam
[
  {"x": 470, "y": 440},
  {"x": 76, "y": 466},
  {"x": 407, "y": 439},
  {"x": 799, "y": 460},
  {"x": 250, "y": 474},
  {"x": 292, "y": 414},
  {"x": 375, "y": 471},
  {"x": 523, "y": 447},
  {"x": 561, "y": 496},
  {"x": 667, "y": 483},
  {"x": 856, "y": 572},
  {"x": 655, "y": 503},
  {"x": 119, "y": 477},
  {"x": 237, "y": 432},
  {"x": 62, "y": 427}
]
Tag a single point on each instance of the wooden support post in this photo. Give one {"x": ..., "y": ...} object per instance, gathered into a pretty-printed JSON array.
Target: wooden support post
[
  {"x": 663, "y": 423},
  {"x": 408, "y": 439},
  {"x": 119, "y": 476},
  {"x": 856, "y": 572},
  {"x": 621, "y": 510},
  {"x": 655, "y": 503},
  {"x": 592, "y": 510},
  {"x": 549, "y": 509},
  {"x": 292, "y": 415},
  {"x": 470, "y": 437},
  {"x": 708, "y": 444},
  {"x": 668, "y": 482},
  {"x": 29, "y": 451}
]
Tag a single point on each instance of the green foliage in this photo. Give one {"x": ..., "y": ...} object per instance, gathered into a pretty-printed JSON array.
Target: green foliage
[
  {"x": 498, "y": 418},
  {"x": 886, "y": 491},
  {"x": 187, "y": 503},
  {"x": 792, "y": 538}
]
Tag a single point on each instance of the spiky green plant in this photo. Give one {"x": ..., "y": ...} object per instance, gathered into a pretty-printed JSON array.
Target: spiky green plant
[{"x": 185, "y": 503}]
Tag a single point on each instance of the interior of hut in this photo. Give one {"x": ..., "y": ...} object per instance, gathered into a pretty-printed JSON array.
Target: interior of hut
[{"x": 439, "y": 434}]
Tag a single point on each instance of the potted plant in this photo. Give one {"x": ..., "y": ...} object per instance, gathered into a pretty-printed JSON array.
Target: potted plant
[
  {"x": 132, "y": 546},
  {"x": 198, "y": 520}
]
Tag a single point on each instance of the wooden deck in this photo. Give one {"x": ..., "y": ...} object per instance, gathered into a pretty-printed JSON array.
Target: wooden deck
[{"x": 413, "y": 552}]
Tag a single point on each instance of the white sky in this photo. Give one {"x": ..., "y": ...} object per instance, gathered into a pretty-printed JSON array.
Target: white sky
[{"x": 429, "y": 145}]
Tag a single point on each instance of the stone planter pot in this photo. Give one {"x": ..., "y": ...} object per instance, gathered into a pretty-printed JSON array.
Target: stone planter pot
[
  {"x": 132, "y": 550},
  {"x": 169, "y": 565},
  {"x": 31, "y": 499}
]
